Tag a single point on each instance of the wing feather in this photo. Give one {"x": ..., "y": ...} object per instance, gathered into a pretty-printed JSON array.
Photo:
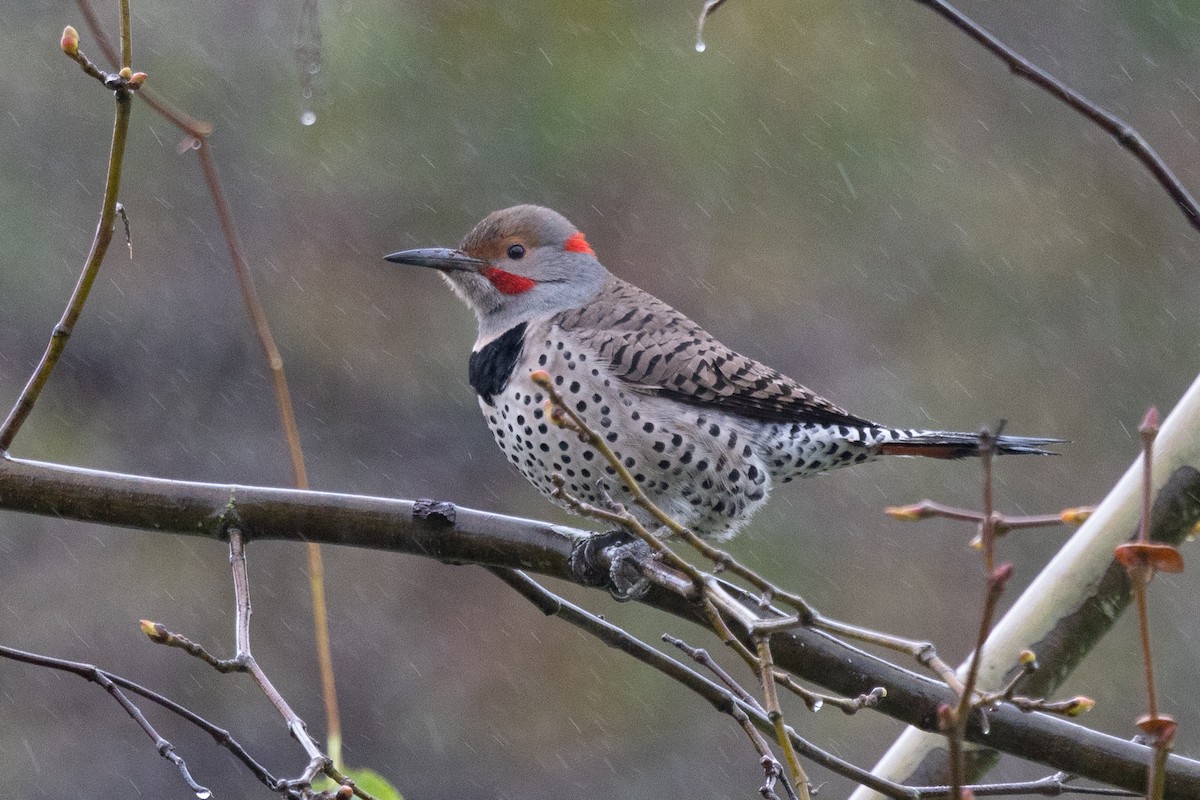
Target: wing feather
[{"x": 655, "y": 350}]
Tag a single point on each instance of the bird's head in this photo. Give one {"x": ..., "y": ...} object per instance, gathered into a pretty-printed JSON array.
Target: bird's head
[{"x": 518, "y": 264}]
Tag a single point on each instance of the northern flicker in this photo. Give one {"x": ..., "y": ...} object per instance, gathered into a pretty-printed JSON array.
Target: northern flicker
[{"x": 706, "y": 432}]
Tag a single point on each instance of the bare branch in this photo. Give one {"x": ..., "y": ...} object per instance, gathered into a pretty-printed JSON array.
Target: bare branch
[
  {"x": 113, "y": 683},
  {"x": 122, "y": 85},
  {"x": 460, "y": 535},
  {"x": 1116, "y": 127}
]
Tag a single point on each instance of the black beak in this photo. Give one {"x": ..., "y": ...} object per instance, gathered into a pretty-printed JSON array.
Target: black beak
[{"x": 442, "y": 258}]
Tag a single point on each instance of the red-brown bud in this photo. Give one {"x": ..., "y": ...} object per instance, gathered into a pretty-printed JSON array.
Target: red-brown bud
[
  {"x": 70, "y": 41},
  {"x": 1149, "y": 426},
  {"x": 1159, "y": 557},
  {"x": 1160, "y": 728}
]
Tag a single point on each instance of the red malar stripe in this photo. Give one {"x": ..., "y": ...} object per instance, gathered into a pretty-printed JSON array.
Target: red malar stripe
[{"x": 507, "y": 282}]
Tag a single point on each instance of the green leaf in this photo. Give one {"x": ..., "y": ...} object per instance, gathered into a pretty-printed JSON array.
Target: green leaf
[{"x": 373, "y": 783}]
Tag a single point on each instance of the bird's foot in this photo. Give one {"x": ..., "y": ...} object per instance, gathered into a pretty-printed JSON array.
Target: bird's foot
[
  {"x": 586, "y": 564},
  {"x": 623, "y": 575},
  {"x": 625, "y": 579}
]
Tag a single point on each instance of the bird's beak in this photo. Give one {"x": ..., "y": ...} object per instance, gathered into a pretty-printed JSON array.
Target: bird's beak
[{"x": 441, "y": 258}]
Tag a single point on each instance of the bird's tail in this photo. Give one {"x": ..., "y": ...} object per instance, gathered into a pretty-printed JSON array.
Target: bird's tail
[{"x": 951, "y": 444}]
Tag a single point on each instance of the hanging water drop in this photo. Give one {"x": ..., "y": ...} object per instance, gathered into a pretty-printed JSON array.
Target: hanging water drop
[
  {"x": 709, "y": 7},
  {"x": 307, "y": 118}
]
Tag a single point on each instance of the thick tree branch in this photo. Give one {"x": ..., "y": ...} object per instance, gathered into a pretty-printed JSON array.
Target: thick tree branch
[
  {"x": 460, "y": 535},
  {"x": 442, "y": 531}
]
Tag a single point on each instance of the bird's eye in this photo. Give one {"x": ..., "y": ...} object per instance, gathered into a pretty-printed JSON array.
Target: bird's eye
[{"x": 516, "y": 251}]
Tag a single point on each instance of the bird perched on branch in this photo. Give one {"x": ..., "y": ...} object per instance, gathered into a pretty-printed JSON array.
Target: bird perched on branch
[{"x": 704, "y": 431}]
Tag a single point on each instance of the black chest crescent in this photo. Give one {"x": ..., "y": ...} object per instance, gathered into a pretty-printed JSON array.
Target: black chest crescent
[{"x": 492, "y": 365}]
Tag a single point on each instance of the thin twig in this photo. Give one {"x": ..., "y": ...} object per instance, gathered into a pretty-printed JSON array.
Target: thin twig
[
  {"x": 241, "y": 587},
  {"x": 464, "y": 535},
  {"x": 1141, "y": 578},
  {"x": 199, "y": 132},
  {"x": 701, "y": 656},
  {"x": 1125, "y": 134},
  {"x": 1142, "y": 559},
  {"x": 717, "y": 623},
  {"x": 775, "y": 714},
  {"x": 160, "y": 634},
  {"x": 927, "y": 509},
  {"x": 244, "y": 661},
  {"x": 996, "y": 578},
  {"x": 100, "y": 241},
  {"x": 721, "y": 698},
  {"x": 816, "y": 700},
  {"x": 126, "y": 37},
  {"x": 96, "y": 675},
  {"x": 1051, "y": 786},
  {"x": 566, "y": 416}
]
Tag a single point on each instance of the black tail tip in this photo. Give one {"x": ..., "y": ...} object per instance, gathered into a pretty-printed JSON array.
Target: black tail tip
[
  {"x": 1027, "y": 445},
  {"x": 955, "y": 444}
]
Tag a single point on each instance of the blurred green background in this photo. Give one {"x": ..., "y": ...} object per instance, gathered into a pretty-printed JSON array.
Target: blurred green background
[{"x": 849, "y": 190}]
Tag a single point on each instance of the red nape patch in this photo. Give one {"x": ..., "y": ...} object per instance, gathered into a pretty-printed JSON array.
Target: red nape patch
[
  {"x": 506, "y": 282},
  {"x": 577, "y": 244}
]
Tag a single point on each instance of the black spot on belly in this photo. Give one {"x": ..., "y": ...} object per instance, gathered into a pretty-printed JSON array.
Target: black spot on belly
[{"x": 492, "y": 365}]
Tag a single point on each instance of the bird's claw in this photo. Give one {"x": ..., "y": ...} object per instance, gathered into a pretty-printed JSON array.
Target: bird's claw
[
  {"x": 625, "y": 579},
  {"x": 622, "y": 575}
]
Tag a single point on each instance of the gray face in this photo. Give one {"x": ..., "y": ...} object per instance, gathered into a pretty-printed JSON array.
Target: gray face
[{"x": 519, "y": 264}]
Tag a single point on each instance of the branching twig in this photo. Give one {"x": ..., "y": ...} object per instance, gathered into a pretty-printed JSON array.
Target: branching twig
[
  {"x": 244, "y": 661},
  {"x": 717, "y": 603},
  {"x": 199, "y": 132},
  {"x": 1142, "y": 559},
  {"x": 241, "y": 588},
  {"x": 462, "y": 535},
  {"x": 816, "y": 701},
  {"x": 766, "y": 666},
  {"x": 113, "y": 683},
  {"x": 1125, "y": 135},
  {"x": 122, "y": 84},
  {"x": 1120, "y": 130},
  {"x": 723, "y": 699},
  {"x": 563, "y": 414},
  {"x": 736, "y": 701},
  {"x": 1002, "y": 523}
]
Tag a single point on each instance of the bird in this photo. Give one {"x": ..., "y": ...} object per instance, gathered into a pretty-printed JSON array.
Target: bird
[{"x": 705, "y": 432}]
